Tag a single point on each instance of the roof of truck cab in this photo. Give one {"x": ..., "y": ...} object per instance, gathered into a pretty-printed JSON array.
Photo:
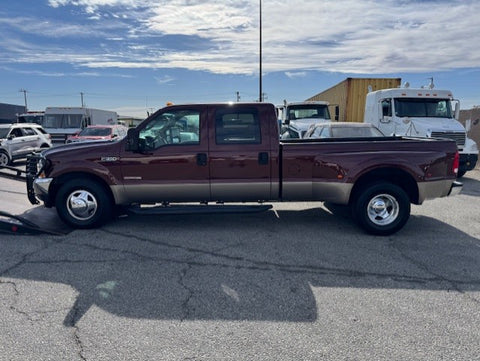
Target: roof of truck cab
[{"x": 415, "y": 93}]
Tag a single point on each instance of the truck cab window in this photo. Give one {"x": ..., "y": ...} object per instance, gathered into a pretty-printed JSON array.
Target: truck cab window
[
  {"x": 178, "y": 127},
  {"x": 237, "y": 127}
]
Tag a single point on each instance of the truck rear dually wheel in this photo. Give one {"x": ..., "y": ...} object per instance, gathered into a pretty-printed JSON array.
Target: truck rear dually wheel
[
  {"x": 381, "y": 208},
  {"x": 83, "y": 204}
]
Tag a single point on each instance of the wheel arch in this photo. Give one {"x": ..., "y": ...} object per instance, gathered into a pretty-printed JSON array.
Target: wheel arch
[
  {"x": 64, "y": 178},
  {"x": 396, "y": 176}
]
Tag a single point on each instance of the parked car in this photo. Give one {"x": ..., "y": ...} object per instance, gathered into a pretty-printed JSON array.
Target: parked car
[
  {"x": 343, "y": 130},
  {"x": 17, "y": 140},
  {"x": 99, "y": 132}
]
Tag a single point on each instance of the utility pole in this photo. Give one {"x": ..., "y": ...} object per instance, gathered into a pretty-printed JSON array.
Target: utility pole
[
  {"x": 24, "y": 91},
  {"x": 81, "y": 97},
  {"x": 260, "y": 91}
]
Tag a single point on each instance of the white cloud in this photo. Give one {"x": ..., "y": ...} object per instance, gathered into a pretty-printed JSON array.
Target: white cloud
[
  {"x": 300, "y": 74},
  {"x": 164, "y": 80},
  {"x": 351, "y": 36}
]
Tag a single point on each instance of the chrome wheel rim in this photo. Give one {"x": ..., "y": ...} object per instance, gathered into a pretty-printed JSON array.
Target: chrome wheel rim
[
  {"x": 82, "y": 205},
  {"x": 383, "y": 209}
]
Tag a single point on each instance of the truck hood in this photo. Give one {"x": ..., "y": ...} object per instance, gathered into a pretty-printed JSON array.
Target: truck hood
[
  {"x": 74, "y": 150},
  {"x": 305, "y": 123},
  {"x": 422, "y": 126}
]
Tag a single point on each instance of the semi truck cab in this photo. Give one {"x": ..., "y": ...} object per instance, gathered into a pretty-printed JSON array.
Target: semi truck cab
[{"x": 421, "y": 112}]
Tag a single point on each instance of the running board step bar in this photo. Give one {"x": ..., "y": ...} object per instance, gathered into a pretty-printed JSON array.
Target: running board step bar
[{"x": 199, "y": 209}]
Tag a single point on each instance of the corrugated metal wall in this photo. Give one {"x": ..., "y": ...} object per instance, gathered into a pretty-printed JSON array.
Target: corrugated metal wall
[
  {"x": 336, "y": 95},
  {"x": 350, "y": 96},
  {"x": 8, "y": 112}
]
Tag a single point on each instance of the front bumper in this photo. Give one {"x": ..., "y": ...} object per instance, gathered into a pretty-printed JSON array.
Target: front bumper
[
  {"x": 456, "y": 188},
  {"x": 37, "y": 186}
]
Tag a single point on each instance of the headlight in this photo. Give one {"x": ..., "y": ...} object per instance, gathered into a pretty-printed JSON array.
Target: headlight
[{"x": 41, "y": 163}]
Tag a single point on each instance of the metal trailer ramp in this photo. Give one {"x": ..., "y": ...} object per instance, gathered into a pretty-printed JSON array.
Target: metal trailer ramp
[
  {"x": 10, "y": 223},
  {"x": 13, "y": 173}
]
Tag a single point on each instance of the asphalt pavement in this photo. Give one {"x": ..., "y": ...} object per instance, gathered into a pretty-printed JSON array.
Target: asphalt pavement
[{"x": 298, "y": 282}]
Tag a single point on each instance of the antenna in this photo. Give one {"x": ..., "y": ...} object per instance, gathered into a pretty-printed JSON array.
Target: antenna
[{"x": 431, "y": 85}]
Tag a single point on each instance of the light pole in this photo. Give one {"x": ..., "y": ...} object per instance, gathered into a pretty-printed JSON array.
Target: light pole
[
  {"x": 24, "y": 91},
  {"x": 260, "y": 91}
]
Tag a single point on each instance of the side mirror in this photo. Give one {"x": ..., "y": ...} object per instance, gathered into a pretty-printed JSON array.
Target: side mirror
[
  {"x": 132, "y": 143},
  {"x": 337, "y": 113},
  {"x": 468, "y": 125},
  {"x": 457, "y": 110}
]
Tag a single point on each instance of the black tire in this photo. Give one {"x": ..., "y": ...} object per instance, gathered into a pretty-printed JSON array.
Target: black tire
[
  {"x": 4, "y": 158},
  {"x": 83, "y": 204},
  {"x": 461, "y": 173},
  {"x": 381, "y": 208}
]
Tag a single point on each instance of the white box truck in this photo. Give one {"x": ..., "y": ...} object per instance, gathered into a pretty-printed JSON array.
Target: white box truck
[
  {"x": 423, "y": 112},
  {"x": 60, "y": 122}
]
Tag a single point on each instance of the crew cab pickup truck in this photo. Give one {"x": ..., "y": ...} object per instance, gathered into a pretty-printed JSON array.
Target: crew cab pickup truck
[{"x": 232, "y": 153}]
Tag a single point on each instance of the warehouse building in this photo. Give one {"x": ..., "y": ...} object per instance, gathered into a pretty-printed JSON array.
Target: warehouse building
[{"x": 8, "y": 112}]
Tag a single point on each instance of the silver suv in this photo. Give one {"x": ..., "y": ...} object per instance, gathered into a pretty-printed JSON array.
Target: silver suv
[{"x": 19, "y": 139}]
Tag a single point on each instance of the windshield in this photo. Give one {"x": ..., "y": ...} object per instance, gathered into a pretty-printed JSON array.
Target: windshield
[
  {"x": 31, "y": 119},
  {"x": 412, "y": 107},
  {"x": 97, "y": 132},
  {"x": 4, "y": 132},
  {"x": 62, "y": 121},
  {"x": 308, "y": 111},
  {"x": 354, "y": 132}
]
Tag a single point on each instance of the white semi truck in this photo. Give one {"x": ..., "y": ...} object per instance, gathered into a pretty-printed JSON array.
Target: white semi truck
[
  {"x": 60, "y": 122},
  {"x": 423, "y": 112},
  {"x": 295, "y": 118}
]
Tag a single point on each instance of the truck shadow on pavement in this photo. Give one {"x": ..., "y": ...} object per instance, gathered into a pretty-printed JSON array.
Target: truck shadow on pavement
[
  {"x": 471, "y": 186},
  {"x": 263, "y": 267}
]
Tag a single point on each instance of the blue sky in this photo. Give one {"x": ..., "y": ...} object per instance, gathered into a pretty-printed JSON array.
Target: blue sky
[{"x": 133, "y": 56}]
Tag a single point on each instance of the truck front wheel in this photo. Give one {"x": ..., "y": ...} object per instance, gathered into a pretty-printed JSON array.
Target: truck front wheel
[
  {"x": 83, "y": 204},
  {"x": 381, "y": 208}
]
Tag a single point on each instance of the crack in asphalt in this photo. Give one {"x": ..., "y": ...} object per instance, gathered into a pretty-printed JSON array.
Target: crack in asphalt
[
  {"x": 23, "y": 261},
  {"x": 190, "y": 292},
  {"x": 265, "y": 265},
  {"x": 74, "y": 315},
  {"x": 455, "y": 284}
]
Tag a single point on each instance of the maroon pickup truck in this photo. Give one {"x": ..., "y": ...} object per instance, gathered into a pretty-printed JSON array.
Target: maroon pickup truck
[{"x": 232, "y": 153}]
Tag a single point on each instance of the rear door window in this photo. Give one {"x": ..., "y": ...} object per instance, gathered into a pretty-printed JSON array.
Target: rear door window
[{"x": 240, "y": 126}]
